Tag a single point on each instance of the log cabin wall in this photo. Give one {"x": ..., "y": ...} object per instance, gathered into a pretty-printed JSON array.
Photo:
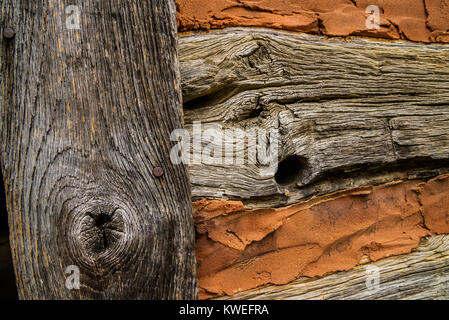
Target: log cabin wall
[
  {"x": 363, "y": 135},
  {"x": 362, "y": 117}
]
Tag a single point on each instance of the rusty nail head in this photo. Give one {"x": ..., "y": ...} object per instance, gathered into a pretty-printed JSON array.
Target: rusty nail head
[
  {"x": 9, "y": 33},
  {"x": 158, "y": 172}
]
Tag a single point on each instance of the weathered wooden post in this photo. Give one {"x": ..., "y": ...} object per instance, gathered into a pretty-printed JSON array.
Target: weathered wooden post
[{"x": 89, "y": 96}]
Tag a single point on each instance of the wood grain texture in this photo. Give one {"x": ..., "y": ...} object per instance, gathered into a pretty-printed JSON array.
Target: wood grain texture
[
  {"x": 357, "y": 112},
  {"x": 422, "y": 274},
  {"x": 86, "y": 116}
]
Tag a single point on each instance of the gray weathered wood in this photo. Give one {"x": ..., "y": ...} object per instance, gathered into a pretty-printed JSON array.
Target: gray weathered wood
[
  {"x": 422, "y": 274},
  {"x": 358, "y": 112},
  {"x": 86, "y": 116}
]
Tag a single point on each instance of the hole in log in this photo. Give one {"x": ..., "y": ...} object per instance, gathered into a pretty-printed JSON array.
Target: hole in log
[{"x": 290, "y": 170}]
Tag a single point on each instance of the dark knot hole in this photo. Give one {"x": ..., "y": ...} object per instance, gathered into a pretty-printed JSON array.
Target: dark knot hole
[
  {"x": 101, "y": 222},
  {"x": 290, "y": 170},
  {"x": 102, "y": 230}
]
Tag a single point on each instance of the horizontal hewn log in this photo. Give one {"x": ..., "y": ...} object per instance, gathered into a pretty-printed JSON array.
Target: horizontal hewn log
[
  {"x": 422, "y": 274},
  {"x": 353, "y": 112}
]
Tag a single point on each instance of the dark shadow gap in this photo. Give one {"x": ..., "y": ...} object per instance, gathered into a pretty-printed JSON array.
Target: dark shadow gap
[
  {"x": 420, "y": 168},
  {"x": 8, "y": 290},
  {"x": 290, "y": 170}
]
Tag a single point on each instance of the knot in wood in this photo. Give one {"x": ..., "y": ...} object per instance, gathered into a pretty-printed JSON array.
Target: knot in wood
[
  {"x": 101, "y": 230},
  {"x": 101, "y": 234}
]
